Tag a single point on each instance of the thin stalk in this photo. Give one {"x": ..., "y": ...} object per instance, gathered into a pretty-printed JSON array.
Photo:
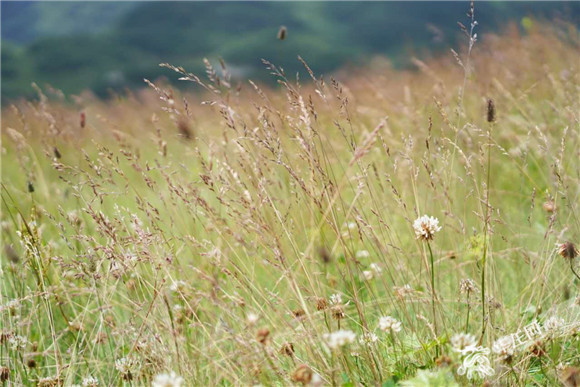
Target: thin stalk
[
  {"x": 433, "y": 298},
  {"x": 485, "y": 243}
]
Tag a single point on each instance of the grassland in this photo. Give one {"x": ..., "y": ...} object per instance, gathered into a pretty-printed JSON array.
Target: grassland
[{"x": 243, "y": 235}]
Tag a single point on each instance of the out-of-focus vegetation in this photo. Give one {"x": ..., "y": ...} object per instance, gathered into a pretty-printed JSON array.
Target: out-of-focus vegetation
[
  {"x": 102, "y": 46},
  {"x": 279, "y": 237}
]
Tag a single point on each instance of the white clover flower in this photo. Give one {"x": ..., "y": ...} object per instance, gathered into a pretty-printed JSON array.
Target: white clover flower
[
  {"x": 12, "y": 305},
  {"x": 368, "y": 338},
  {"x": 336, "y": 299},
  {"x": 389, "y": 324},
  {"x": 167, "y": 380},
  {"x": 553, "y": 323},
  {"x": 463, "y": 343},
  {"x": 339, "y": 338},
  {"x": 90, "y": 381},
  {"x": 252, "y": 318},
  {"x": 17, "y": 342},
  {"x": 128, "y": 365},
  {"x": 368, "y": 275},
  {"x": 362, "y": 254},
  {"x": 376, "y": 268},
  {"x": 178, "y": 286},
  {"x": 476, "y": 364},
  {"x": 426, "y": 227},
  {"x": 316, "y": 380},
  {"x": 504, "y": 346}
]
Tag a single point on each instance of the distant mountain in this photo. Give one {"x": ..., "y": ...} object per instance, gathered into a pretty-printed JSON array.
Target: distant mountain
[
  {"x": 25, "y": 21},
  {"x": 112, "y": 45}
]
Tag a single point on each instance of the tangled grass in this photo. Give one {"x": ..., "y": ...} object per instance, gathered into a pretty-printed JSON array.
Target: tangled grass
[{"x": 274, "y": 237}]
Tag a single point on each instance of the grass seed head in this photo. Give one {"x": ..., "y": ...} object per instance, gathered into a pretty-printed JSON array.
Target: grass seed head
[{"x": 490, "y": 111}]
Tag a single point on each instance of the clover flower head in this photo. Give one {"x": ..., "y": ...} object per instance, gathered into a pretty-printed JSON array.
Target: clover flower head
[
  {"x": 476, "y": 364},
  {"x": 463, "y": 343},
  {"x": 339, "y": 338},
  {"x": 167, "y": 380},
  {"x": 426, "y": 227},
  {"x": 389, "y": 324}
]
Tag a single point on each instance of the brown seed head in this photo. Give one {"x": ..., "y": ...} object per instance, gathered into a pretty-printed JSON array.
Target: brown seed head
[
  {"x": 337, "y": 312},
  {"x": 537, "y": 349},
  {"x": 443, "y": 361},
  {"x": 324, "y": 255},
  {"x": 568, "y": 250},
  {"x": 31, "y": 363},
  {"x": 490, "y": 111},
  {"x": 282, "y": 32},
  {"x": 83, "y": 119},
  {"x": 302, "y": 374},
  {"x": 262, "y": 335},
  {"x": 570, "y": 376},
  {"x": 549, "y": 206},
  {"x": 298, "y": 313},
  {"x": 287, "y": 349},
  {"x": 4, "y": 374},
  {"x": 321, "y": 303}
]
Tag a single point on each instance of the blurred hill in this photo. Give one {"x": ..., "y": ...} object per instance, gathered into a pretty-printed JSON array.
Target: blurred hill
[{"x": 112, "y": 45}]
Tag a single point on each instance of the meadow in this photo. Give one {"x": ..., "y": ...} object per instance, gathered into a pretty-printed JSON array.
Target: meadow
[{"x": 397, "y": 227}]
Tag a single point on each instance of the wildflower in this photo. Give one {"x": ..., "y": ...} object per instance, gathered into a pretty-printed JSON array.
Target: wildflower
[
  {"x": 362, "y": 254},
  {"x": 337, "y": 312},
  {"x": 17, "y": 342},
  {"x": 504, "y": 347},
  {"x": 389, "y": 324},
  {"x": 468, "y": 285},
  {"x": 463, "y": 343},
  {"x": 368, "y": 275},
  {"x": 567, "y": 250},
  {"x": 368, "y": 338},
  {"x": 90, "y": 381},
  {"x": 426, "y": 227},
  {"x": 339, "y": 338},
  {"x": 128, "y": 367},
  {"x": 178, "y": 286},
  {"x": 316, "y": 380},
  {"x": 376, "y": 268},
  {"x": 252, "y": 318},
  {"x": 167, "y": 380},
  {"x": 49, "y": 381},
  {"x": 336, "y": 299},
  {"x": 476, "y": 364},
  {"x": 430, "y": 378},
  {"x": 553, "y": 323}
]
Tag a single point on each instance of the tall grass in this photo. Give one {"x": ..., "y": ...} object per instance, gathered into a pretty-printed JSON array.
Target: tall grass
[{"x": 257, "y": 236}]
